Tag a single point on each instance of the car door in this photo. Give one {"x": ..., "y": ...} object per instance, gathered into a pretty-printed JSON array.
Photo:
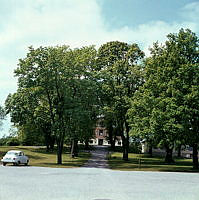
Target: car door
[{"x": 22, "y": 157}]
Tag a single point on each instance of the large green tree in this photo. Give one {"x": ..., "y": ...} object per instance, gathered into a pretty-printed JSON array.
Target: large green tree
[
  {"x": 171, "y": 85},
  {"x": 140, "y": 117},
  {"x": 121, "y": 76},
  {"x": 60, "y": 82}
]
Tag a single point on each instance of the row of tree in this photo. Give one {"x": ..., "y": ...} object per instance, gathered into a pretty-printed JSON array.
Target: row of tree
[{"x": 62, "y": 91}]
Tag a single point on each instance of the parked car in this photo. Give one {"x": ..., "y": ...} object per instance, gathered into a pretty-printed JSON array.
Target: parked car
[{"x": 15, "y": 157}]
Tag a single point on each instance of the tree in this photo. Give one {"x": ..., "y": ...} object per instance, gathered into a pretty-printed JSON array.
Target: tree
[
  {"x": 23, "y": 108},
  {"x": 140, "y": 117},
  {"x": 171, "y": 82},
  {"x": 120, "y": 76},
  {"x": 54, "y": 86},
  {"x": 2, "y": 115}
]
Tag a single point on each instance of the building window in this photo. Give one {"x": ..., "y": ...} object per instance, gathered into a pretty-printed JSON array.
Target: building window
[
  {"x": 101, "y": 124},
  {"x": 101, "y": 132}
]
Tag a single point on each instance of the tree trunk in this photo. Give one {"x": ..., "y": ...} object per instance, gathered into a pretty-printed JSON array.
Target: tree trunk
[
  {"x": 59, "y": 152},
  {"x": 47, "y": 140},
  {"x": 86, "y": 144},
  {"x": 125, "y": 147},
  {"x": 195, "y": 156},
  {"x": 150, "y": 150},
  {"x": 179, "y": 151},
  {"x": 125, "y": 144},
  {"x": 111, "y": 136},
  {"x": 74, "y": 148},
  {"x": 112, "y": 141},
  {"x": 47, "y": 147},
  {"x": 52, "y": 143},
  {"x": 169, "y": 157},
  {"x": 125, "y": 155}
]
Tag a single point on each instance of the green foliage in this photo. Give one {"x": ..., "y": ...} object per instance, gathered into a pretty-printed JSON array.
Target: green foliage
[
  {"x": 57, "y": 94},
  {"x": 166, "y": 108},
  {"x": 13, "y": 141},
  {"x": 3, "y": 141},
  {"x": 2, "y": 115},
  {"x": 62, "y": 91},
  {"x": 121, "y": 76},
  {"x": 9, "y": 141}
]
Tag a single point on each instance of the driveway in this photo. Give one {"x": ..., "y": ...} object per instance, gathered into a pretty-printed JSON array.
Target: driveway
[
  {"x": 98, "y": 158},
  {"x": 37, "y": 183}
]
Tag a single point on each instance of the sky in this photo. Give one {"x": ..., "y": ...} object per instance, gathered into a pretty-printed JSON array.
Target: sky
[{"x": 78, "y": 23}]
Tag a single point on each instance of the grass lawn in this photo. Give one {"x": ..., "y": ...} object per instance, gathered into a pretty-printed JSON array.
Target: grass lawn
[
  {"x": 141, "y": 162},
  {"x": 39, "y": 157}
]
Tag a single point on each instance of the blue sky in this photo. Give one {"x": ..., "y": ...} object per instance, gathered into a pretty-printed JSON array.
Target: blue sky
[
  {"x": 84, "y": 22},
  {"x": 135, "y": 12}
]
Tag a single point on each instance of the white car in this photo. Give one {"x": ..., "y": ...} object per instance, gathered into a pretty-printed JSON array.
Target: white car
[{"x": 15, "y": 157}]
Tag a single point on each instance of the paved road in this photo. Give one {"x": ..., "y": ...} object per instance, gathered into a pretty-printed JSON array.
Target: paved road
[
  {"x": 98, "y": 158},
  {"x": 37, "y": 183}
]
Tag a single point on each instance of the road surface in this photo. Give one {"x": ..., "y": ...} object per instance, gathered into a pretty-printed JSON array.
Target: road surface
[{"x": 37, "y": 183}]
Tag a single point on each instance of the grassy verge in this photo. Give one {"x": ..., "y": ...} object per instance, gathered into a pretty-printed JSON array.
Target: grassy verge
[
  {"x": 39, "y": 157},
  {"x": 140, "y": 162}
]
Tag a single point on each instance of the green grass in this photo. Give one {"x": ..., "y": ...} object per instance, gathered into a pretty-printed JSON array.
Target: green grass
[
  {"x": 39, "y": 157},
  {"x": 148, "y": 164}
]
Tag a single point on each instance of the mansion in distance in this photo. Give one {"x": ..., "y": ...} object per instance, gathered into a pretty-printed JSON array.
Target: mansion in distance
[{"x": 101, "y": 135}]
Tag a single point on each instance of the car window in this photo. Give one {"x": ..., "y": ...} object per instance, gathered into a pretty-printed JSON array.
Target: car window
[{"x": 12, "y": 153}]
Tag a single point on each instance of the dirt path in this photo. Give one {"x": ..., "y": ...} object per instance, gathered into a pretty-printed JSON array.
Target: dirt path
[{"x": 98, "y": 158}]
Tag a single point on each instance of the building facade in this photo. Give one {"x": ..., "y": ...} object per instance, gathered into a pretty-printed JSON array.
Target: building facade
[{"x": 101, "y": 136}]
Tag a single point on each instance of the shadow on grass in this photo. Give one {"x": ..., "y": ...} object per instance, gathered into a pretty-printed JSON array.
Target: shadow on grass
[
  {"x": 40, "y": 157},
  {"x": 64, "y": 164},
  {"x": 151, "y": 164},
  {"x": 36, "y": 157},
  {"x": 67, "y": 161},
  {"x": 21, "y": 165}
]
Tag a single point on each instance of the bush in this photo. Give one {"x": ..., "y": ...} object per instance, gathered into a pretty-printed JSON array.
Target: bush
[
  {"x": 13, "y": 142},
  {"x": 3, "y": 141},
  {"x": 9, "y": 141}
]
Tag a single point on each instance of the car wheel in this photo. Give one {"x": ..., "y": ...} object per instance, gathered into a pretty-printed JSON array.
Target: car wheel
[
  {"x": 27, "y": 163},
  {"x": 4, "y": 163}
]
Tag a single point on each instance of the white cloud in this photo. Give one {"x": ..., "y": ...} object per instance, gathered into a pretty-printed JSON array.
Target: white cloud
[
  {"x": 79, "y": 23},
  {"x": 191, "y": 11},
  {"x": 74, "y": 22}
]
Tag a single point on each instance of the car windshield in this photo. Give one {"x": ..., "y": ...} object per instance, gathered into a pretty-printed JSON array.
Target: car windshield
[{"x": 12, "y": 153}]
